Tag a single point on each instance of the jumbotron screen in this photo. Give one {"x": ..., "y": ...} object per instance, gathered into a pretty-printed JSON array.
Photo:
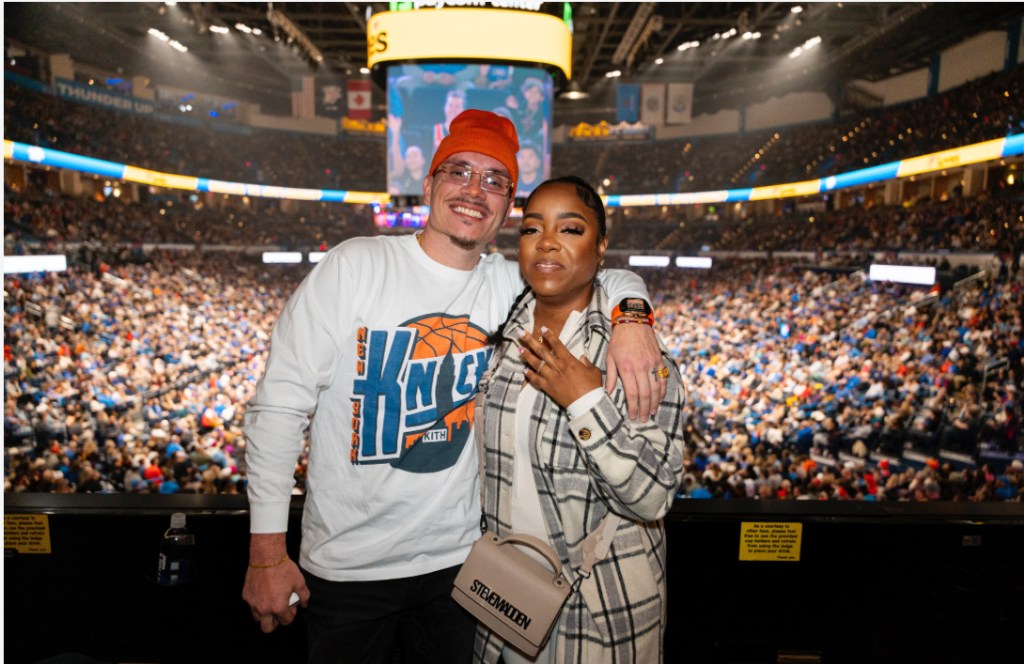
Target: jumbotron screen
[{"x": 424, "y": 98}]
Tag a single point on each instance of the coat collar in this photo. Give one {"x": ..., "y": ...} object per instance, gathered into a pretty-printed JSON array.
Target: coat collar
[{"x": 596, "y": 321}]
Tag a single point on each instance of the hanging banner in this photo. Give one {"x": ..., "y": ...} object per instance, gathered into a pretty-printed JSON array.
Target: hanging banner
[
  {"x": 330, "y": 98},
  {"x": 627, "y": 105},
  {"x": 679, "y": 108},
  {"x": 359, "y": 96},
  {"x": 652, "y": 104},
  {"x": 303, "y": 97}
]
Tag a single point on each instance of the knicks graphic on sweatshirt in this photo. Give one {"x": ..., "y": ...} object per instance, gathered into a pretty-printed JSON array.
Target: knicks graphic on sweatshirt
[{"x": 413, "y": 397}]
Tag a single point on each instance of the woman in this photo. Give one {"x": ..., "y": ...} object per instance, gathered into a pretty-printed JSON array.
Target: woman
[{"x": 560, "y": 452}]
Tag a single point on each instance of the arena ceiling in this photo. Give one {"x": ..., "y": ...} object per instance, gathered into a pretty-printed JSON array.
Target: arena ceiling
[{"x": 859, "y": 40}]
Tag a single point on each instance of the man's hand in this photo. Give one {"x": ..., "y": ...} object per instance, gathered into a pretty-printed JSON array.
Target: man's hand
[
  {"x": 634, "y": 357},
  {"x": 267, "y": 589}
]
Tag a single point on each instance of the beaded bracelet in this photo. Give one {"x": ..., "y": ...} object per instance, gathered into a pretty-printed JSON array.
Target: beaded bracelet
[
  {"x": 629, "y": 319},
  {"x": 268, "y": 565}
]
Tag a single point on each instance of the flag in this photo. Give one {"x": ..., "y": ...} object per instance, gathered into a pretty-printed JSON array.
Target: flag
[
  {"x": 303, "y": 97},
  {"x": 359, "y": 96},
  {"x": 680, "y": 103},
  {"x": 627, "y": 102},
  {"x": 330, "y": 98},
  {"x": 652, "y": 104}
]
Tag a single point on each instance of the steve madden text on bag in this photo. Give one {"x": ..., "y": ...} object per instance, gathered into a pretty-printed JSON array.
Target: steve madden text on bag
[{"x": 511, "y": 593}]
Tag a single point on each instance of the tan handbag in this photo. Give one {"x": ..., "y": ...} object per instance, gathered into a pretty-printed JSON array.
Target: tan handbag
[
  {"x": 511, "y": 593},
  {"x": 514, "y": 595}
]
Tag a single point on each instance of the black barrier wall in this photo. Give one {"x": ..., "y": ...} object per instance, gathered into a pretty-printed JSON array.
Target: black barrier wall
[{"x": 828, "y": 582}]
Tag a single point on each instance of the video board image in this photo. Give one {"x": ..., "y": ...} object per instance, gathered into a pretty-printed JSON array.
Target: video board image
[{"x": 424, "y": 98}]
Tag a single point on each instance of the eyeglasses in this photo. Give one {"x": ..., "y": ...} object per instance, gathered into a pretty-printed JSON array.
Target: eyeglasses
[{"x": 495, "y": 182}]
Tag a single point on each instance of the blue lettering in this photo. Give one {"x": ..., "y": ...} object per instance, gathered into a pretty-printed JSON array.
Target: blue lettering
[
  {"x": 460, "y": 385},
  {"x": 381, "y": 384},
  {"x": 420, "y": 385},
  {"x": 477, "y": 361}
]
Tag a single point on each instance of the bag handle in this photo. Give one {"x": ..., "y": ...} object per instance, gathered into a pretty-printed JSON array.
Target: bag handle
[{"x": 538, "y": 546}]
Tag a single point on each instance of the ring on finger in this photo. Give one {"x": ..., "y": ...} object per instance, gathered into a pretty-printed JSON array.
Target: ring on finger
[
  {"x": 540, "y": 366},
  {"x": 661, "y": 373}
]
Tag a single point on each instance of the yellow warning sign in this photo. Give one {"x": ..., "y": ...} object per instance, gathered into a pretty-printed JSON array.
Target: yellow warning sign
[
  {"x": 770, "y": 540},
  {"x": 27, "y": 533}
]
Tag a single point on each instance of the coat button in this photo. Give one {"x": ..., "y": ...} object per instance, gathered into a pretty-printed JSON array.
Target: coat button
[{"x": 584, "y": 434}]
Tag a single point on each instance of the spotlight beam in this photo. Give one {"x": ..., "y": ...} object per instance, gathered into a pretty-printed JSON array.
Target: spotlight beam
[{"x": 763, "y": 13}]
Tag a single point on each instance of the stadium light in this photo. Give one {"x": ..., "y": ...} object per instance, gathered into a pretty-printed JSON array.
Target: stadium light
[
  {"x": 282, "y": 256},
  {"x": 699, "y": 262},
  {"x": 809, "y": 44},
  {"x": 574, "y": 91},
  {"x": 649, "y": 261},
  {"x": 903, "y": 274},
  {"x": 40, "y": 263}
]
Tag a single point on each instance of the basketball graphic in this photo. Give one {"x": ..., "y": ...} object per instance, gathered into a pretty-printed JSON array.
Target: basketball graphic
[
  {"x": 419, "y": 381},
  {"x": 442, "y": 337},
  {"x": 436, "y": 336}
]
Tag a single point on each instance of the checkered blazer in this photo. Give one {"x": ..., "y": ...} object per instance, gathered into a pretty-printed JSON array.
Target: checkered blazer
[{"x": 583, "y": 468}]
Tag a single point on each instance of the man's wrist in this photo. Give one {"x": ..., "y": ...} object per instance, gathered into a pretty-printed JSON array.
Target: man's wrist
[
  {"x": 268, "y": 565},
  {"x": 633, "y": 310}
]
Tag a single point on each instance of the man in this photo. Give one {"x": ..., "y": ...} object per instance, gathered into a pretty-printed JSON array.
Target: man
[
  {"x": 530, "y": 171},
  {"x": 379, "y": 353},
  {"x": 454, "y": 104},
  {"x": 415, "y": 171}
]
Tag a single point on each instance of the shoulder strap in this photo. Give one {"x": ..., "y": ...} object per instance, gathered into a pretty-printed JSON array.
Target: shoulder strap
[
  {"x": 478, "y": 407},
  {"x": 596, "y": 546}
]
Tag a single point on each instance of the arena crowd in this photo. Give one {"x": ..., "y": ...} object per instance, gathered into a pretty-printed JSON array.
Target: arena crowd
[{"x": 130, "y": 371}]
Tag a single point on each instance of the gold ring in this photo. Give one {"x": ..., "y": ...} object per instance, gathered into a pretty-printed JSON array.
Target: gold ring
[{"x": 661, "y": 373}]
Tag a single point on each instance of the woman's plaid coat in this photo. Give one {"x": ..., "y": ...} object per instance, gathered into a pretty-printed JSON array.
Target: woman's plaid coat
[{"x": 583, "y": 468}]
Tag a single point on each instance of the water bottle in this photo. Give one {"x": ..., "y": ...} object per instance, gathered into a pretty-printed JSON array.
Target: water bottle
[{"x": 176, "y": 553}]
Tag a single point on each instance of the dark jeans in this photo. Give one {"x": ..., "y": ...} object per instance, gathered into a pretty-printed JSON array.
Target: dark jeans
[{"x": 395, "y": 620}]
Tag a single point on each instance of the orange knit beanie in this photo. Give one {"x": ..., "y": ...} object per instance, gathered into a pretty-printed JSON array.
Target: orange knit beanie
[{"x": 483, "y": 132}]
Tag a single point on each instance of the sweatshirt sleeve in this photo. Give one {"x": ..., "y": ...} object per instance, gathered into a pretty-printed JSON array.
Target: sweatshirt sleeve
[
  {"x": 303, "y": 355},
  {"x": 620, "y": 284}
]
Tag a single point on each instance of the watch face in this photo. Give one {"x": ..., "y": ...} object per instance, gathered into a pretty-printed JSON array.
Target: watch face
[{"x": 634, "y": 305}]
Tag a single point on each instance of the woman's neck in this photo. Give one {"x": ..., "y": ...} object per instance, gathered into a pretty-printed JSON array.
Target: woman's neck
[{"x": 552, "y": 311}]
